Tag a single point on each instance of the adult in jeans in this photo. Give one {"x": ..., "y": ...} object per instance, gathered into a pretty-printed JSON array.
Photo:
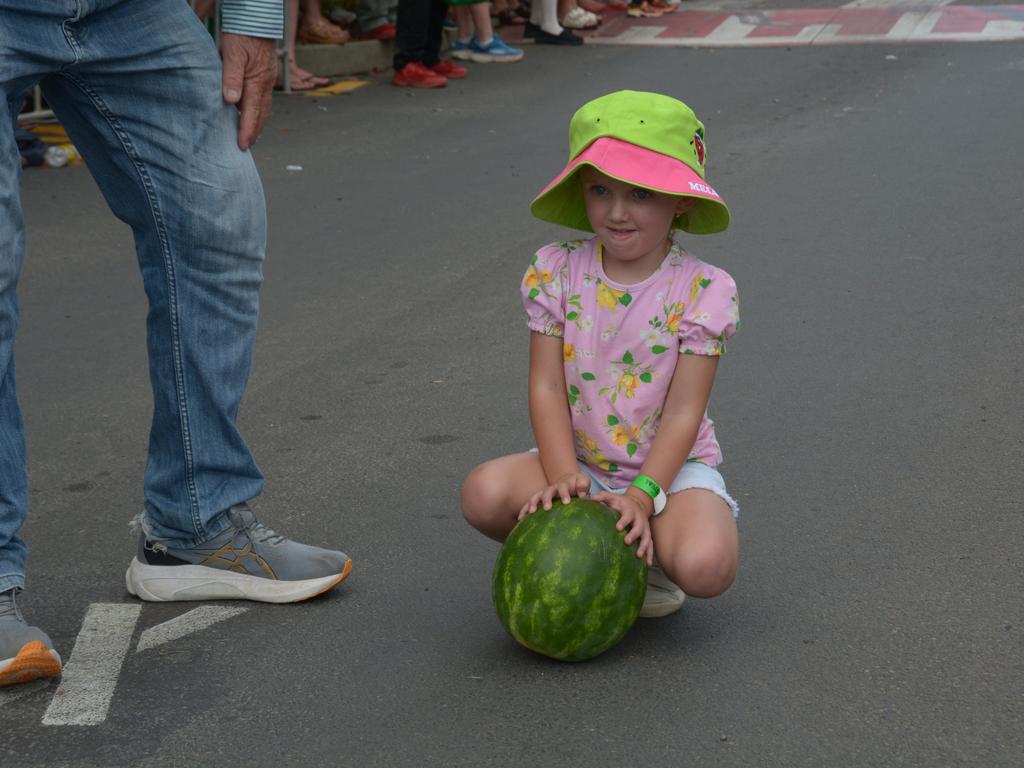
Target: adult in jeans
[{"x": 141, "y": 91}]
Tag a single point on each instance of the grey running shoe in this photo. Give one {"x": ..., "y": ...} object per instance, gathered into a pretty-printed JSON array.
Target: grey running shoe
[
  {"x": 248, "y": 561},
  {"x": 26, "y": 653},
  {"x": 663, "y": 595}
]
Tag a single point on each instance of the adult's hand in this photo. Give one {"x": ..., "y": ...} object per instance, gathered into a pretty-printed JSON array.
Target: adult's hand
[{"x": 250, "y": 68}]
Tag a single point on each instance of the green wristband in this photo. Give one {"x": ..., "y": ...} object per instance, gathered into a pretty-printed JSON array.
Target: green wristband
[
  {"x": 647, "y": 485},
  {"x": 652, "y": 489}
]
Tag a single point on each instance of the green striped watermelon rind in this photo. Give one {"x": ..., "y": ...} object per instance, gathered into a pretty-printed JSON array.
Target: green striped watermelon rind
[{"x": 534, "y": 587}]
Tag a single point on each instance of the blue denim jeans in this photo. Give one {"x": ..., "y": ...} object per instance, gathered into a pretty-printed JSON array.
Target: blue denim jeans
[{"x": 137, "y": 85}]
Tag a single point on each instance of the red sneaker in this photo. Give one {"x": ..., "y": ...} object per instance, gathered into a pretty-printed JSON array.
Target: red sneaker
[
  {"x": 451, "y": 70},
  {"x": 415, "y": 75},
  {"x": 383, "y": 33}
]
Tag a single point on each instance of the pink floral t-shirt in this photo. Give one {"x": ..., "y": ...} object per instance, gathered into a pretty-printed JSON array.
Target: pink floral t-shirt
[{"x": 620, "y": 345}]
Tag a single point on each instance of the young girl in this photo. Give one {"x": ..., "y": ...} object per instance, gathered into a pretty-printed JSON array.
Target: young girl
[{"x": 627, "y": 329}]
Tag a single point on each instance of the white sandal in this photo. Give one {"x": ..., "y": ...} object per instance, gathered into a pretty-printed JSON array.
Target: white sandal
[{"x": 578, "y": 18}]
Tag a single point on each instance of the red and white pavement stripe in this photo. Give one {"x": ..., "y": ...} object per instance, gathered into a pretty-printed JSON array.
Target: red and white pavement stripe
[{"x": 867, "y": 21}]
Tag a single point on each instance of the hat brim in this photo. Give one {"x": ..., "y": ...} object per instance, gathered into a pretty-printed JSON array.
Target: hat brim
[{"x": 562, "y": 201}]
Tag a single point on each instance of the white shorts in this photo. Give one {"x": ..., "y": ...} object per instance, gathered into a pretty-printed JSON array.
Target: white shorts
[{"x": 694, "y": 474}]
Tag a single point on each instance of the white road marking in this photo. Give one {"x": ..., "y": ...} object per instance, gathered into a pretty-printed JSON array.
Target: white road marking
[
  {"x": 735, "y": 30},
  {"x": 905, "y": 27},
  {"x": 641, "y": 35},
  {"x": 90, "y": 676},
  {"x": 1004, "y": 29},
  {"x": 89, "y": 680},
  {"x": 186, "y": 624},
  {"x": 909, "y": 5},
  {"x": 924, "y": 29},
  {"x": 711, "y": 6},
  {"x": 908, "y": 21}
]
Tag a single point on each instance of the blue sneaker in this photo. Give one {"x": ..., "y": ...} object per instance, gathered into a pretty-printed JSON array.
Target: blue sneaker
[
  {"x": 460, "y": 50},
  {"x": 496, "y": 50}
]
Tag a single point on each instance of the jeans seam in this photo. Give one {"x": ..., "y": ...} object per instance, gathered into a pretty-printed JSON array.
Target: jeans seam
[
  {"x": 70, "y": 37},
  {"x": 172, "y": 293}
]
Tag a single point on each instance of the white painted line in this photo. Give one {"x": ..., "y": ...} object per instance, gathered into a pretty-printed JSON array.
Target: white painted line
[
  {"x": 905, "y": 27},
  {"x": 731, "y": 37},
  {"x": 830, "y": 34},
  {"x": 90, "y": 676},
  {"x": 640, "y": 35},
  {"x": 186, "y": 624},
  {"x": 720, "y": 6},
  {"x": 10, "y": 694},
  {"x": 1003, "y": 29},
  {"x": 910, "y": 5},
  {"x": 731, "y": 30},
  {"x": 810, "y": 33},
  {"x": 925, "y": 26},
  {"x": 999, "y": 30}
]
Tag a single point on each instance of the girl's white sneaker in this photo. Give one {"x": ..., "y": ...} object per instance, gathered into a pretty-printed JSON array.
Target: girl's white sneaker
[{"x": 663, "y": 595}]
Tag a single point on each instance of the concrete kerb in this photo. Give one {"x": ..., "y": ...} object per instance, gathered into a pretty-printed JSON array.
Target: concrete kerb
[
  {"x": 352, "y": 58},
  {"x": 355, "y": 57}
]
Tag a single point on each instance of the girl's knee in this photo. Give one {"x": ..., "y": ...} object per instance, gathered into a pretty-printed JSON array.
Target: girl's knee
[
  {"x": 479, "y": 496},
  {"x": 705, "y": 572},
  {"x": 493, "y": 493}
]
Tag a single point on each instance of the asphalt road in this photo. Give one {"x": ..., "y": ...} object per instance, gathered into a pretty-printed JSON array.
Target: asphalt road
[{"x": 869, "y": 410}]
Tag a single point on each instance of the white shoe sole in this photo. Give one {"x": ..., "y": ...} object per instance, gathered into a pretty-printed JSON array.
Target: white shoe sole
[
  {"x": 663, "y": 595},
  {"x": 487, "y": 58},
  {"x": 658, "y": 604},
  {"x": 160, "y": 584}
]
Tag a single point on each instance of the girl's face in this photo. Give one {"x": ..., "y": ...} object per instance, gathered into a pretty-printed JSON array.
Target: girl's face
[{"x": 632, "y": 222}]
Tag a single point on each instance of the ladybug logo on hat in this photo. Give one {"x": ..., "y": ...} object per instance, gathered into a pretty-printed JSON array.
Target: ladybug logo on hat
[{"x": 698, "y": 144}]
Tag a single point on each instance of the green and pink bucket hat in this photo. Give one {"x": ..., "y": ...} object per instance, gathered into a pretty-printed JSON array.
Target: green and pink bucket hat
[{"x": 645, "y": 139}]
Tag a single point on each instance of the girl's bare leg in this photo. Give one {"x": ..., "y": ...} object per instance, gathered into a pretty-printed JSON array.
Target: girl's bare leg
[
  {"x": 495, "y": 491},
  {"x": 696, "y": 542}
]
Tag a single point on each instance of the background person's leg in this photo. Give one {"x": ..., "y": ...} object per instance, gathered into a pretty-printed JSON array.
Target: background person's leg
[
  {"x": 438, "y": 10},
  {"x": 411, "y": 37},
  {"x": 371, "y": 15}
]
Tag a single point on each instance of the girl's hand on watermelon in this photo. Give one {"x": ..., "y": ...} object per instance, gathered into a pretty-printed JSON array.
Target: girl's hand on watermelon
[
  {"x": 564, "y": 488},
  {"x": 634, "y": 514}
]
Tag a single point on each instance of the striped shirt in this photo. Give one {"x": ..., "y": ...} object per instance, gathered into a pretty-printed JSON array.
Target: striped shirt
[{"x": 256, "y": 18}]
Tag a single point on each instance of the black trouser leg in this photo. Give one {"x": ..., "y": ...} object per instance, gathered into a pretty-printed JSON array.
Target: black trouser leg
[
  {"x": 435, "y": 32},
  {"x": 414, "y": 17}
]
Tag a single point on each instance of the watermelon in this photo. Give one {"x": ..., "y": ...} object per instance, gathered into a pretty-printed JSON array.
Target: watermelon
[{"x": 565, "y": 585}]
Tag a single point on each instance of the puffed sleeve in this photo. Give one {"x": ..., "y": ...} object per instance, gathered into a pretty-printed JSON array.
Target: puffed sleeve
[
  {"x": 712, "y": 313},
  {"x": 544, "y": 288}
]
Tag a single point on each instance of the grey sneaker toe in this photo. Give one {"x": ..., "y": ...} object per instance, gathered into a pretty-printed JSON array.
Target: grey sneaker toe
[{"x": 26, "y": 652}]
